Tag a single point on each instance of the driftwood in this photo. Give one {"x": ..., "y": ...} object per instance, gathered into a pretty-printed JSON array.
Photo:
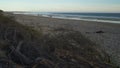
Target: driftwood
[
  {"x": 23, "y": 60},
  {"x": 15, "y": 52}
]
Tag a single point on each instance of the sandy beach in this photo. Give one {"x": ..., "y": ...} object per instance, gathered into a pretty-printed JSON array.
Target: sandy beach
[{"x": 107, "y": 35}]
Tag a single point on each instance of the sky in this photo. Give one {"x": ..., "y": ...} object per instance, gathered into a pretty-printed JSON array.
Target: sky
[{"x": 61, "y": 5}]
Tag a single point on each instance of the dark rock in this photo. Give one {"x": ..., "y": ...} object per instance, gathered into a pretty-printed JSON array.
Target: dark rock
[{"x": 100, "y": 31}]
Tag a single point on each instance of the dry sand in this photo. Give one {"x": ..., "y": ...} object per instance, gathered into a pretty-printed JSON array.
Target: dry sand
[{"x": 109, "y": 41}]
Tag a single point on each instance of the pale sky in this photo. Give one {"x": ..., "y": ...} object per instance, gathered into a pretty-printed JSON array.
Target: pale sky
[{"x": 61, "y": 5}]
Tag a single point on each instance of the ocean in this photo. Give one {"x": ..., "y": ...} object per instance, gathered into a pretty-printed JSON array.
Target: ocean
[{"x": 99, "y": 17}]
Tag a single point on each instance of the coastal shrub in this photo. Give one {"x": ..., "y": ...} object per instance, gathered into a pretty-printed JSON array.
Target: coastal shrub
[{"x": 1, "y": 11}]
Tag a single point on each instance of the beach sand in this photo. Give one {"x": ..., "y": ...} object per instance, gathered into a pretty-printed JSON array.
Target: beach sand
[{"x": 107, "y": 35}]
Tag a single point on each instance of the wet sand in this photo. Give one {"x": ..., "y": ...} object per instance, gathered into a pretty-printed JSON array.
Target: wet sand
[{"x": 107, "y": 35}]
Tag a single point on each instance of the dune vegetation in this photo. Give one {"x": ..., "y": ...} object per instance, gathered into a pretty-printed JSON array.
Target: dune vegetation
[{"x": 24, "y": 47}]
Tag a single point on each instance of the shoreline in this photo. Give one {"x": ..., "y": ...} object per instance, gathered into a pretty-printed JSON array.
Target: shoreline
[
  {"x": 84, "y": 18},
  {"x": 108, "y": 39}
]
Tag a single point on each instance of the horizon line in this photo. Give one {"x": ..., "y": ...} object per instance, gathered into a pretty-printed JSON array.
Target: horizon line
[{"x": 62, "y": 11}]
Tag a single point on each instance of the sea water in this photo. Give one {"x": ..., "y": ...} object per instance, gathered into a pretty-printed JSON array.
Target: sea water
[{"x": 98, "y": 17}]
